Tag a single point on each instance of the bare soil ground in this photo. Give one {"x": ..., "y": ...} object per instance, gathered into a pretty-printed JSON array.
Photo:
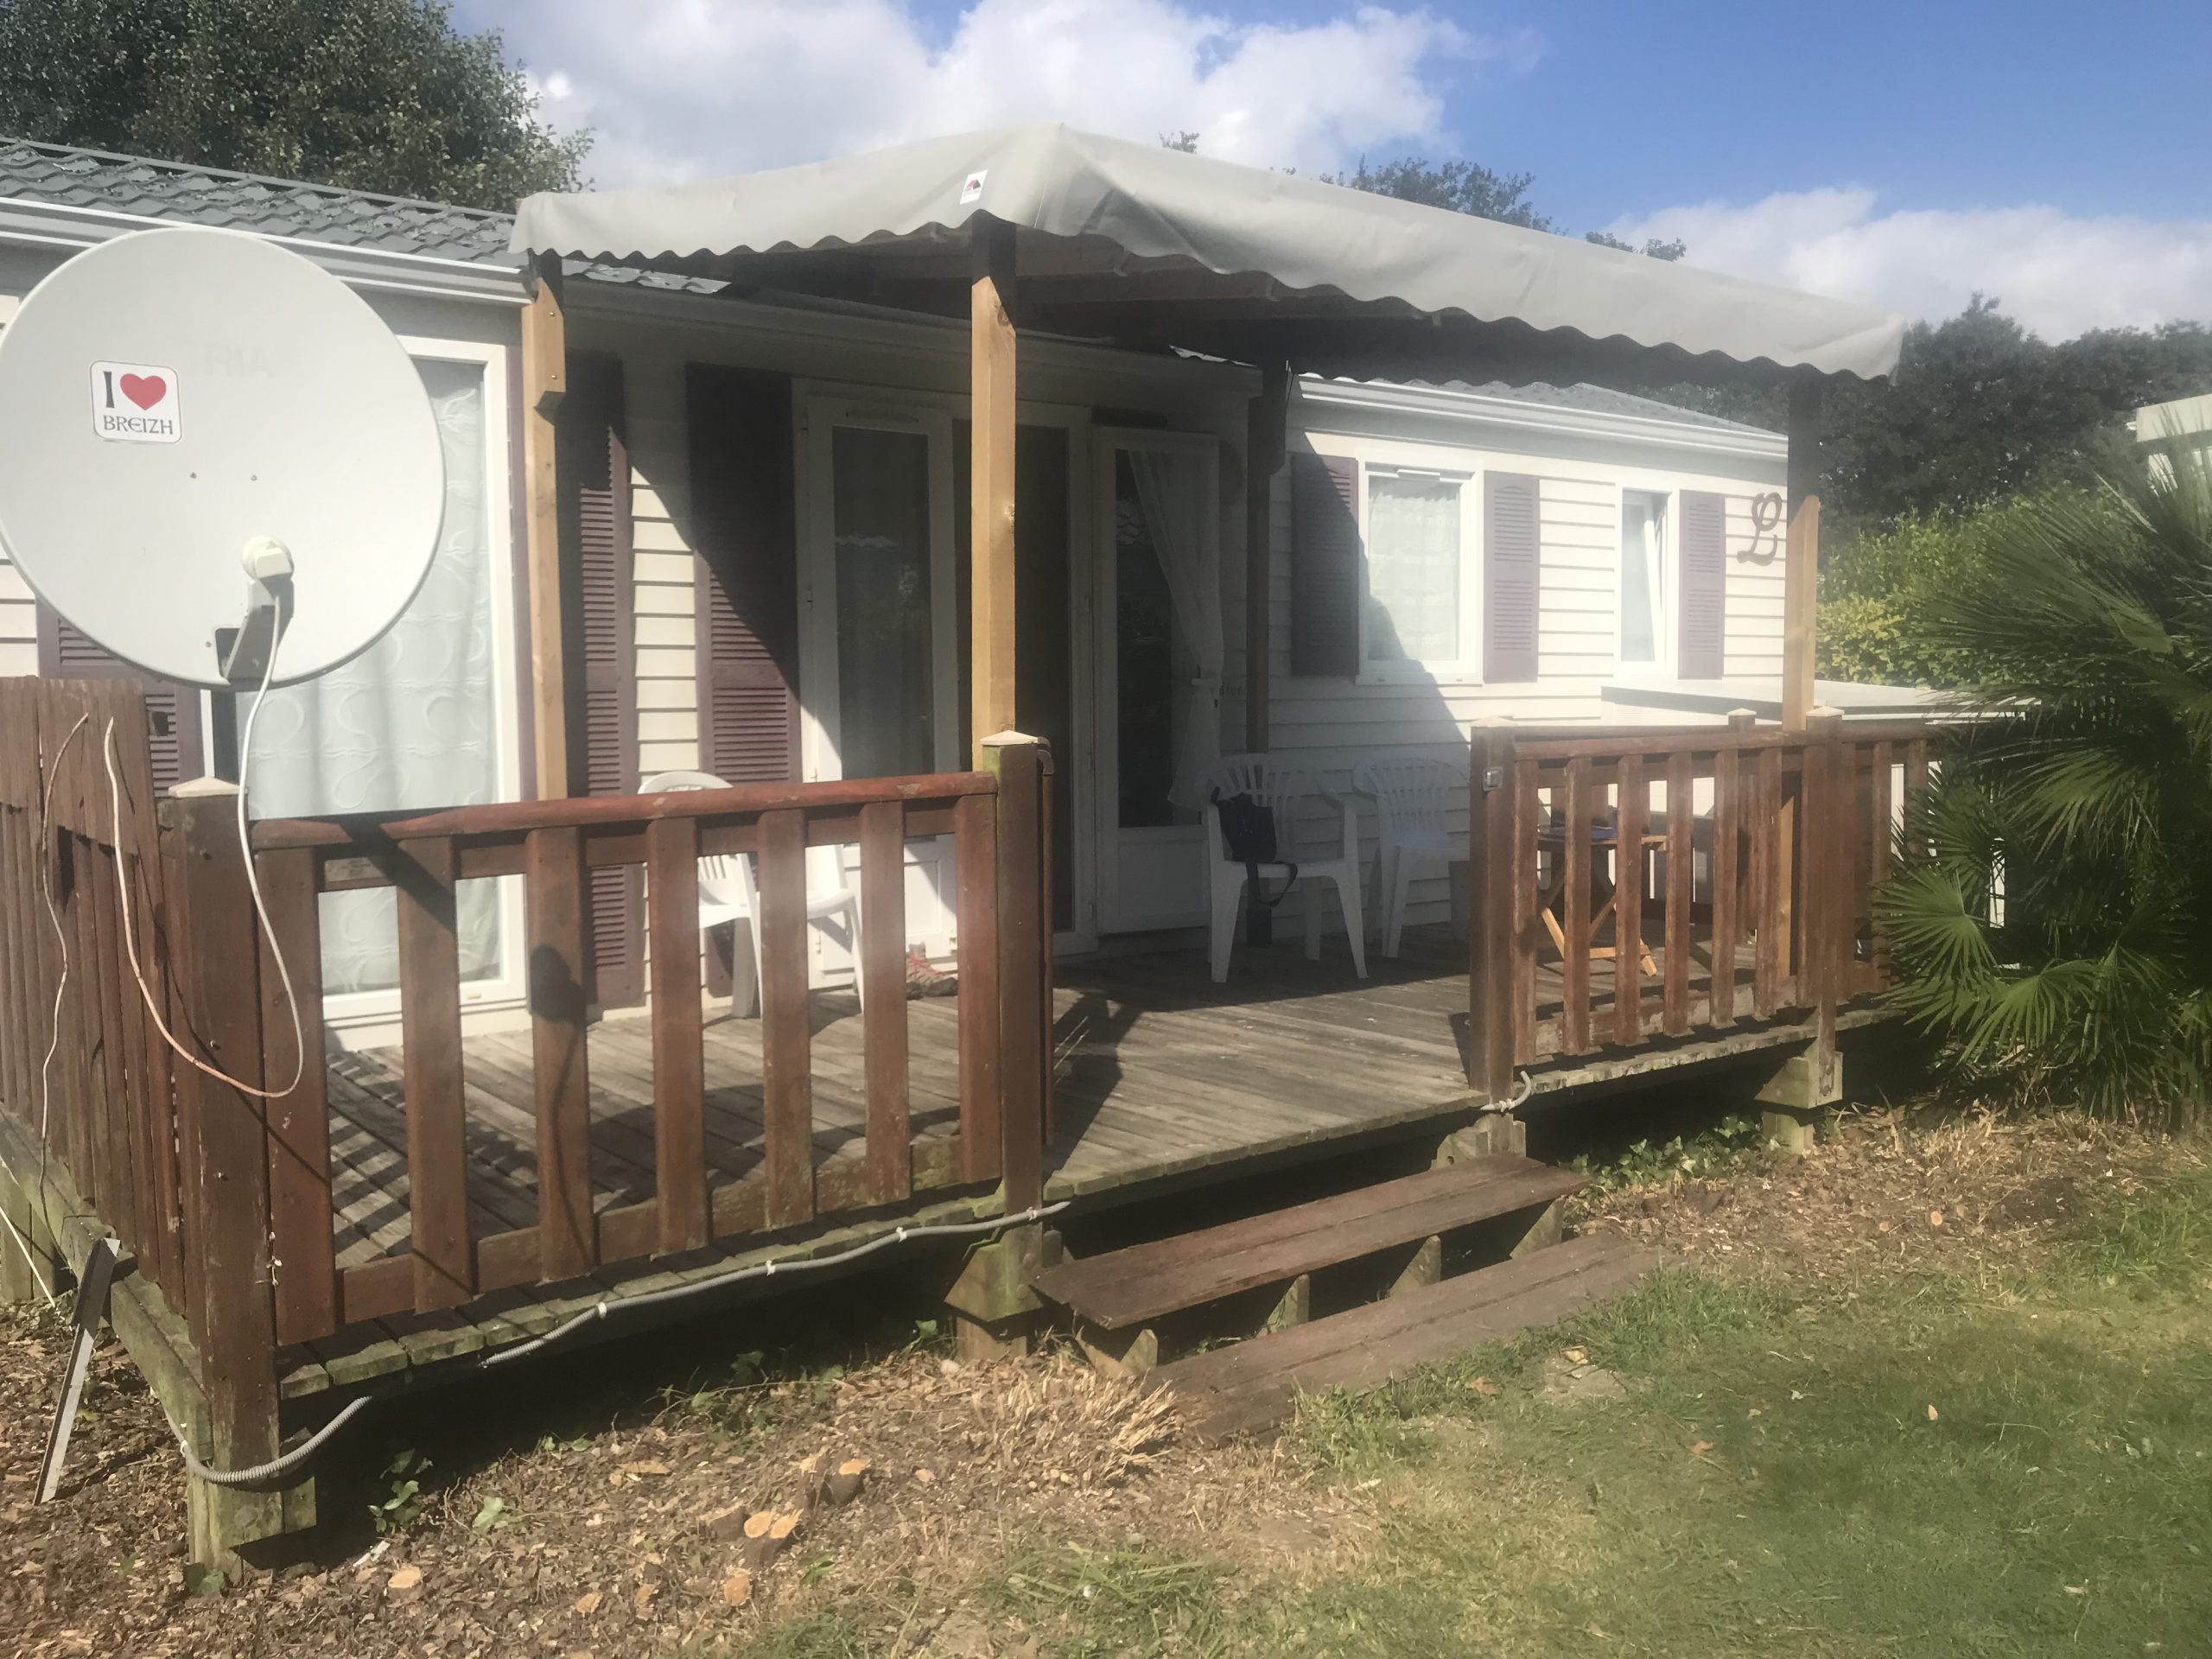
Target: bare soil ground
[
  {"x": 1892, "y": 1191},
  {"x": 624, "y": 1537}
]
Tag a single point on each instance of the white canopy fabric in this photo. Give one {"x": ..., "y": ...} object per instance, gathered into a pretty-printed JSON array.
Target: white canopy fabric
[{"x": 1089, "y": 210}]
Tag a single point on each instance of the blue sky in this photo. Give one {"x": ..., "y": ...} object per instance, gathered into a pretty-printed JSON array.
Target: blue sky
[
  {"x": 1628, "y": 107},
  {"x": 1905, "y": 154}
]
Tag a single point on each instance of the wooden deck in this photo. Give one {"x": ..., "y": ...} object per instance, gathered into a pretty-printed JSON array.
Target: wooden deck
[{"x": 1160, "y": 1073}]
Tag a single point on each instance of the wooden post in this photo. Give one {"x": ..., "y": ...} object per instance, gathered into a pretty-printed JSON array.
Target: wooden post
[
  {"x": 553, "y": 899},
  {"x": 1827, "y": 891},
  {"x": 679, "y": 1059},
  {"x": 1801, "y": 595},
  {"x": 235, "y": 1324},
  {"x": 544, "y": 382},
  {"x": 991, "y": 411},
  {"x": 1801, "y": 557},
  {"x": 1265, "y": 448},
  {"x": 1492, "y": 829},
  {"x": 1024, "y": 944}
]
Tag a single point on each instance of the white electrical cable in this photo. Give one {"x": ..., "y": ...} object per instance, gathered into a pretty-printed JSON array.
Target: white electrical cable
[
  {"x": 38, "y": 1269},
  {"x": 276, "y": 1468},
  {"x": 260, "y": 911},
  {"x": 61, "y": 985},
  {"x": 60, "y": 935}
]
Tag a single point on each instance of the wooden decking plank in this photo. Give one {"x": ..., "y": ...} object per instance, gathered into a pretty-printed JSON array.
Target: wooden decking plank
[{"x": 1130, "y": 1287}]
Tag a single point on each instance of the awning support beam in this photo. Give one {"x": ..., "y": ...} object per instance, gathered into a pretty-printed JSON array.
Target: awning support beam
[
  {"x": 991, "y": 410},
  {"x": 544, "y": 382},
  {"x": 1266, "y": 447}
]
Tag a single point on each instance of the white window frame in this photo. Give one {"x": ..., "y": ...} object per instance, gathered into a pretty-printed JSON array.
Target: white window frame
[
  {"x": 1455, "y": 466},
  {"x": 506, "y": 989},
  {"x": 1666, "y": 626}
]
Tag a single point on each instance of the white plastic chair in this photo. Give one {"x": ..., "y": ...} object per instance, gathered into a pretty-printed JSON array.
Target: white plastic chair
[
  {"x": 727, "y": 894},
  {"x": 1282, "y": 788},
  {"x": 1414, "y": 795}
]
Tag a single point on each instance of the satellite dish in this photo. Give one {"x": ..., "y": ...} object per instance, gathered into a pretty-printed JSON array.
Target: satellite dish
[{"x": 204, "y": 440}]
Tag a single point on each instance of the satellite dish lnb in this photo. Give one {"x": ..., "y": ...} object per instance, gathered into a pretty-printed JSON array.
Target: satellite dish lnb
[{"x": 205, "y": 440}]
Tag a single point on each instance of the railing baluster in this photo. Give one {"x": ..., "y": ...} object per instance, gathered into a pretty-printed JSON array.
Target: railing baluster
[
  {"x": 679, "y": 1055},
  {"x": 976, "y": 856},
  {"x": 1727, "y": 876},
  {"x": 1574, "y": 966},
  {"x": 1628, "y": 904},
  {"x": 1681, "y": 865},
  {"x": 786, "y": 1060},
  {"x": 1525, "y": 925},
  {"x": 568, "y": 1239},
  {"x": 882, "y": 970},
  {"x": 299, "y": 1124},
  {"x": 1492, "y": 872},
  {"x": 1766, "y": 883},
  {"x": 430, "y": 1062},
  {"x": 1025, "y": 935},
  {"x": 1881, "y": 831}
]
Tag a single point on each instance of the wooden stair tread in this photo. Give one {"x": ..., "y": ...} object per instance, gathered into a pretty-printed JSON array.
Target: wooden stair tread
[
  {"x": 1128, "y": 1286},
  {"x": 1226, "y": 1391}
]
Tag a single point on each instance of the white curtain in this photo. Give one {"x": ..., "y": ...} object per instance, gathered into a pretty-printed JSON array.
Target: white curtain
[
  {"x": 1644, "y": 576},
  {"x": 1169, "y": 485},
  {"x": 411, "y": 722},
  {"x": 1412, "y": 570}
]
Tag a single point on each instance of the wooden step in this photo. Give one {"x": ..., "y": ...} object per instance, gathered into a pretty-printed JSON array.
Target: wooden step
[
  {"x": 1130, "y": 1287},
  {"x": 1255, "y": 1384}
]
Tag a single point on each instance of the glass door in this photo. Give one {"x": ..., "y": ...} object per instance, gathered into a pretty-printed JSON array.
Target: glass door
[
  {"x": 881, "y": 608},
  {"x": 1159, "y": 667}
]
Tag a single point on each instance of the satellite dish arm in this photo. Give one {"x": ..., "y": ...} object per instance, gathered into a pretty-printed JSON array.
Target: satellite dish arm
[{"x": 244, "y": 652}]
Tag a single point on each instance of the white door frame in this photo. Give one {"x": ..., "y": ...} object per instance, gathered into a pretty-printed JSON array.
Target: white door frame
[
  {"x": 818, "y": 408},
  {"x": 1121, "y": 906}
]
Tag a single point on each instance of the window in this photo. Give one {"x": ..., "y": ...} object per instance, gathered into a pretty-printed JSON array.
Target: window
[
  {"x": 424, "y": 717},
  {"x": 1646, "y": 572},
  {"x": 1411, "y": 609}
]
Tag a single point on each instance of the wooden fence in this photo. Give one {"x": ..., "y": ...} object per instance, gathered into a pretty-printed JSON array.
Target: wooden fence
[
  {"x": 1718, "y": 874},
  {"x": 102, "y": 1110}
]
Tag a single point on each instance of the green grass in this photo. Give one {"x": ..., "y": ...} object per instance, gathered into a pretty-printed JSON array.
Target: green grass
[{"x": 1774, "y": 1484}]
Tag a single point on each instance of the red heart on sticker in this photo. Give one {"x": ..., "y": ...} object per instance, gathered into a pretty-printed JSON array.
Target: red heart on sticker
[{"x": 144, "y": 390}]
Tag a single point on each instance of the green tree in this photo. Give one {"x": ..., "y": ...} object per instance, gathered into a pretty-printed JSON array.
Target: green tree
[
  {"x": 1467, "y": 188},
  {"x": 382, "y": 95},
  {"x": 1979, "y": 410},
  {"x": 2052, "y": 913},
  {"x": 1882, "y": 589}
]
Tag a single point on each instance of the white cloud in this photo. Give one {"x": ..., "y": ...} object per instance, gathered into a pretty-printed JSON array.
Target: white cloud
[
  {"x": 690, "y": 88},
  {"x": 2059, "y": 273}
]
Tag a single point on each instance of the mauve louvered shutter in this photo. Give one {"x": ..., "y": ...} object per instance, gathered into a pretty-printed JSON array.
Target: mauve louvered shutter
[
  {"x": 173, "y": 733},
  {"x": 1512, "y": 576},
  {"x": 594, "y": 474},
  {"x": 1324, "y": 566},
  {"x": 1701, "y": 588},
  {"x": 745, "y": 532}
]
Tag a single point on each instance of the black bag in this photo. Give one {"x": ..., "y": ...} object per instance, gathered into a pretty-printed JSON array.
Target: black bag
[{"x": 1249, "y": 827}]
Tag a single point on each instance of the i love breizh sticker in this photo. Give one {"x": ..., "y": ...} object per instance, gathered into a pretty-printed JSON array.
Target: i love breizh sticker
[{"x": 135, "y": 403}]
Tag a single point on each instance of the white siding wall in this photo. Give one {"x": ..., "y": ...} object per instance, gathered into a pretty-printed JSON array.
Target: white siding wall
[
  {"x": 660, "y": 477},
  {"x": 18, "y": 613}
]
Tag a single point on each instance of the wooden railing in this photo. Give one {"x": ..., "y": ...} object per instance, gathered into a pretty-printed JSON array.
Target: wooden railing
[
  {"x": 223, "y": 1193},
  {"x": 1634, "y": 886},
  {"x": 994, "y": 822},
  {"x": 100, "y": 1111}
]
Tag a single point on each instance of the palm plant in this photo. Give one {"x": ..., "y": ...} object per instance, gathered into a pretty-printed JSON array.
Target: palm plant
[{"x": 2051, "y": 915}]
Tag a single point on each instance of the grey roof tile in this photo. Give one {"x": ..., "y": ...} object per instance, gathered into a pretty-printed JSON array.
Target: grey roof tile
[{"x": 205, "y": 195}]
